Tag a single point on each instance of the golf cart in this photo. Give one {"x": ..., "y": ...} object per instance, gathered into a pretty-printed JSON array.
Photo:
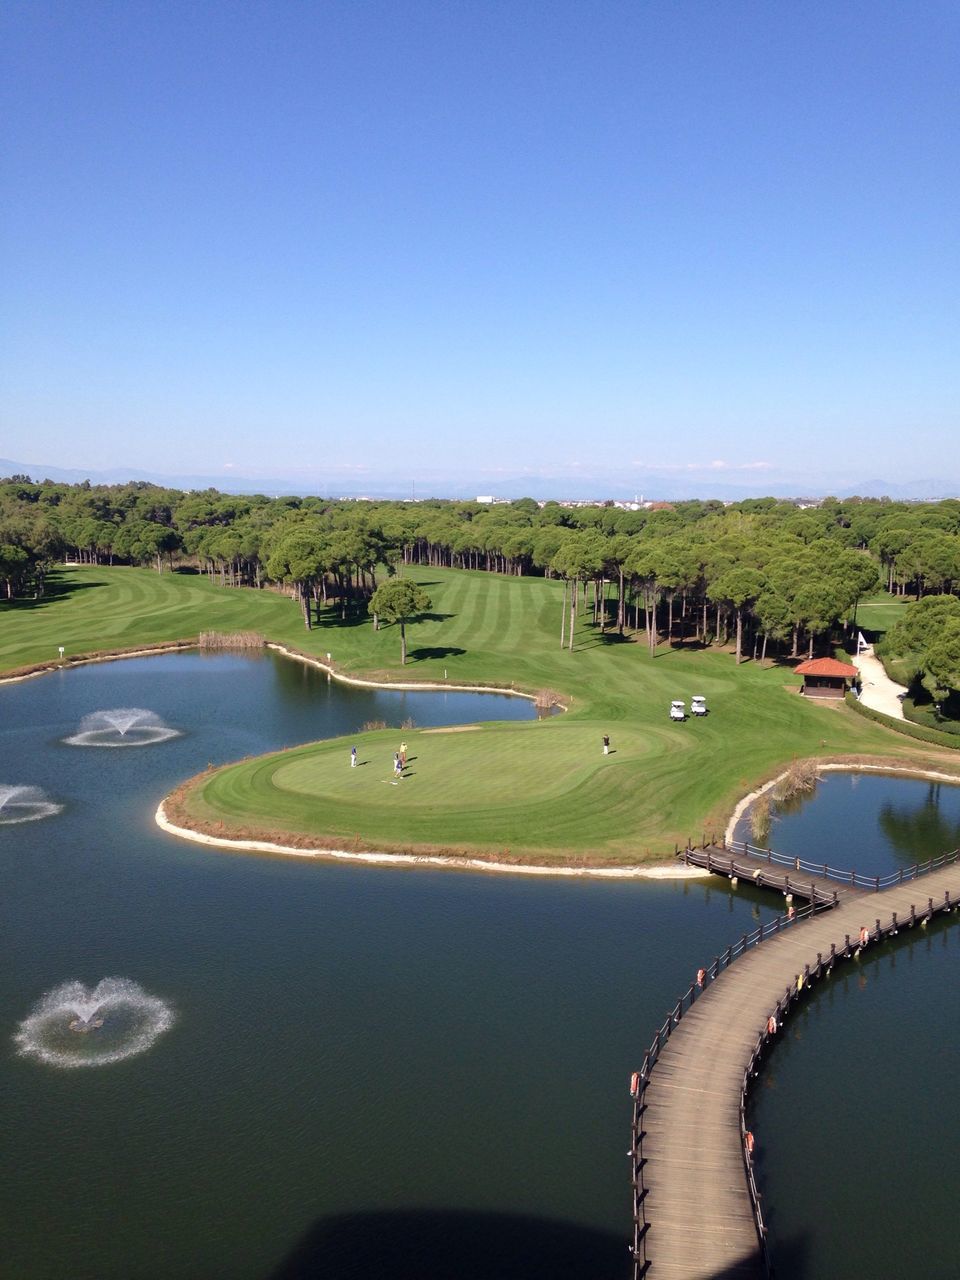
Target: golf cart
[
  {"x": 698, "y": 705},
  {"x": 678, "y": 710}
]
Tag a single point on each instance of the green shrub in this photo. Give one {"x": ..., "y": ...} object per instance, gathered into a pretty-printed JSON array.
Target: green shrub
[
  {"x": 906, "y": 727},
  {"x": 922, "y": 712}
]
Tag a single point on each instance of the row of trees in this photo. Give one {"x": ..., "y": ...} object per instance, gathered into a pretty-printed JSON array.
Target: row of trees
[{"x": 755, "y": 573}]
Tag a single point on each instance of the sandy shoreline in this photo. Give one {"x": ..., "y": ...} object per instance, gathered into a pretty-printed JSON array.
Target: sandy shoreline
[
  {"x": 409, "y": 686},
  {"x": 176, "y": 646},
  {"x": 662, "y": 871}
]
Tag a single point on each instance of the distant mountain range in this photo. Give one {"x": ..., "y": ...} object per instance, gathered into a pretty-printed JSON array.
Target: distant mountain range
[{"x": 560, "y": 486}]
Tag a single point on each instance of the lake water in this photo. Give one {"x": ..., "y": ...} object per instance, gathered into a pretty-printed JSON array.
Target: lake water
[
  {"x": 857, "y": 1110},
  {"x": 867, "y": 822},
  {"x": 370, "y": 1071}
]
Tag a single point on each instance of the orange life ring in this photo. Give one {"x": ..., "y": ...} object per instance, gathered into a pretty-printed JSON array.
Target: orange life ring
[
  {"x": 790, "y": 913},
  {"x": 771, "y": 1026},
  {"x": 701, "y": 977},
  {"x": 635, "y": 1084},
  {"x": 748, "y": 1142},
  {"x": 864, "y": 937}
]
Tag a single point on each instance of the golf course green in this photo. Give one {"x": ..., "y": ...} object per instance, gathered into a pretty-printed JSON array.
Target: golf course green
[{"x": 521, "y": 792}]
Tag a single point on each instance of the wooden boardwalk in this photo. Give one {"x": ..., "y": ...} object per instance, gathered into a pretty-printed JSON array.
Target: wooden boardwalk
[{"x": 696, "y": 1207}]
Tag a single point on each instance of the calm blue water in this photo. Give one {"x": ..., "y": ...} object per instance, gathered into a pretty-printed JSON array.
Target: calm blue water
[
  {"x": 857, "y": 1109},
  {"x": 867, "y": 822},
  {"x": 371, "y": 1071}
]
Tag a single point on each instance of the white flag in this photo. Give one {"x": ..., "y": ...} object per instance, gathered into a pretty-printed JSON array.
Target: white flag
[{"x": 861, "y": 642}]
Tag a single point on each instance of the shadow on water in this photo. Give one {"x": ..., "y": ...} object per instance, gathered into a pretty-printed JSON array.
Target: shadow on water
[
  {"x": 424, "y": 1244},
  {"x": 438, "y": 1244},
  {"x": 794, "y": 1250}
]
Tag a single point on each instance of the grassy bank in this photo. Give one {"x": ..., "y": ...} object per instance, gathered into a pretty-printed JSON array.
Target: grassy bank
[{"x": 522, "y": 791}]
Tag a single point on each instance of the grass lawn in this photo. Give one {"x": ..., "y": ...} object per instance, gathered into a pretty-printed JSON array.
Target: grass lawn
[
  {"x": 878, "y": 613},
  {"x": 527, "y": 791}
]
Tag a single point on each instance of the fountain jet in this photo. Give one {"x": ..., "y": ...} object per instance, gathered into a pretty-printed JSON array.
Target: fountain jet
[
  {"x": 121, "y": 727},
  {"x": 24, "y": 804}
]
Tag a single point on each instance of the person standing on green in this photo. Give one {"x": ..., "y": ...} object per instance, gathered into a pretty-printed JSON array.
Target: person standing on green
[{"x": 403, "y": 755}]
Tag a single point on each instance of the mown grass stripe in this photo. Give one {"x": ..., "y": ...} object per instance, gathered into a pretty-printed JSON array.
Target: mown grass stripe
[{"x": 537, "y": 789}]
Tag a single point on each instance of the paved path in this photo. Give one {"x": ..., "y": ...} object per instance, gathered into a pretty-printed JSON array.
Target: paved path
[
  {"x": 694, "y": 1209},
  {"x": 878, "y": 692}
]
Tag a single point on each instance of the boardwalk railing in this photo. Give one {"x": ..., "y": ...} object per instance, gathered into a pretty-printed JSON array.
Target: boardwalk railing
[
  {"x": 851, "y": 878},
  {"x": 642, "y": 1077},
  {"x": 705, "y": 976}
]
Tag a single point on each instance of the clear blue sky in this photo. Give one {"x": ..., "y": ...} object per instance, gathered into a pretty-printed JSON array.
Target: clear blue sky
[{"x": 457, "y": 234}]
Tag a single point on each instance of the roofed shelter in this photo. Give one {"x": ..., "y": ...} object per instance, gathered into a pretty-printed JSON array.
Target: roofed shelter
[{"x": 825, "y": 677}]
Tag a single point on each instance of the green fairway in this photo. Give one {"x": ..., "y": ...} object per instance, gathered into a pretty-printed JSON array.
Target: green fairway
[
  {"x": 879, "y": 612},
  {"x": 526, "y": 790}
]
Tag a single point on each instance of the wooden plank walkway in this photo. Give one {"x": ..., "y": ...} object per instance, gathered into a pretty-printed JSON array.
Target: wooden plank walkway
[
  {"x": 812, "y": 881},
  {"x": 697, "y": 1212}
]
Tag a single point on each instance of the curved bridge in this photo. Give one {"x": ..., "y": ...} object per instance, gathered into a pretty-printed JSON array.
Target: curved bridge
[{"x": 697, "y": 1211}]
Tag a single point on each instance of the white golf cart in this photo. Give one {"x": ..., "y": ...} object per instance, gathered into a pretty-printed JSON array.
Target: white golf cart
[
  {"x": 678, "y": 710},
  {"x": 698, "y": 705}
]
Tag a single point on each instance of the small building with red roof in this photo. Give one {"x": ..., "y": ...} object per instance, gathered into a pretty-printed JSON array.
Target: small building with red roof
[{"x": 825, "y": 677}]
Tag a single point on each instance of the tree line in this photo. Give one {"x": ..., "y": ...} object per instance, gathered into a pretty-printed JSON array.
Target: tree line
[{"x": 762, "y": 575}]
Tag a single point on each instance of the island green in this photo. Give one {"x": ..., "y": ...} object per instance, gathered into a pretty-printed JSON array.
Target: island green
[{"x": 526, "y": 792}]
